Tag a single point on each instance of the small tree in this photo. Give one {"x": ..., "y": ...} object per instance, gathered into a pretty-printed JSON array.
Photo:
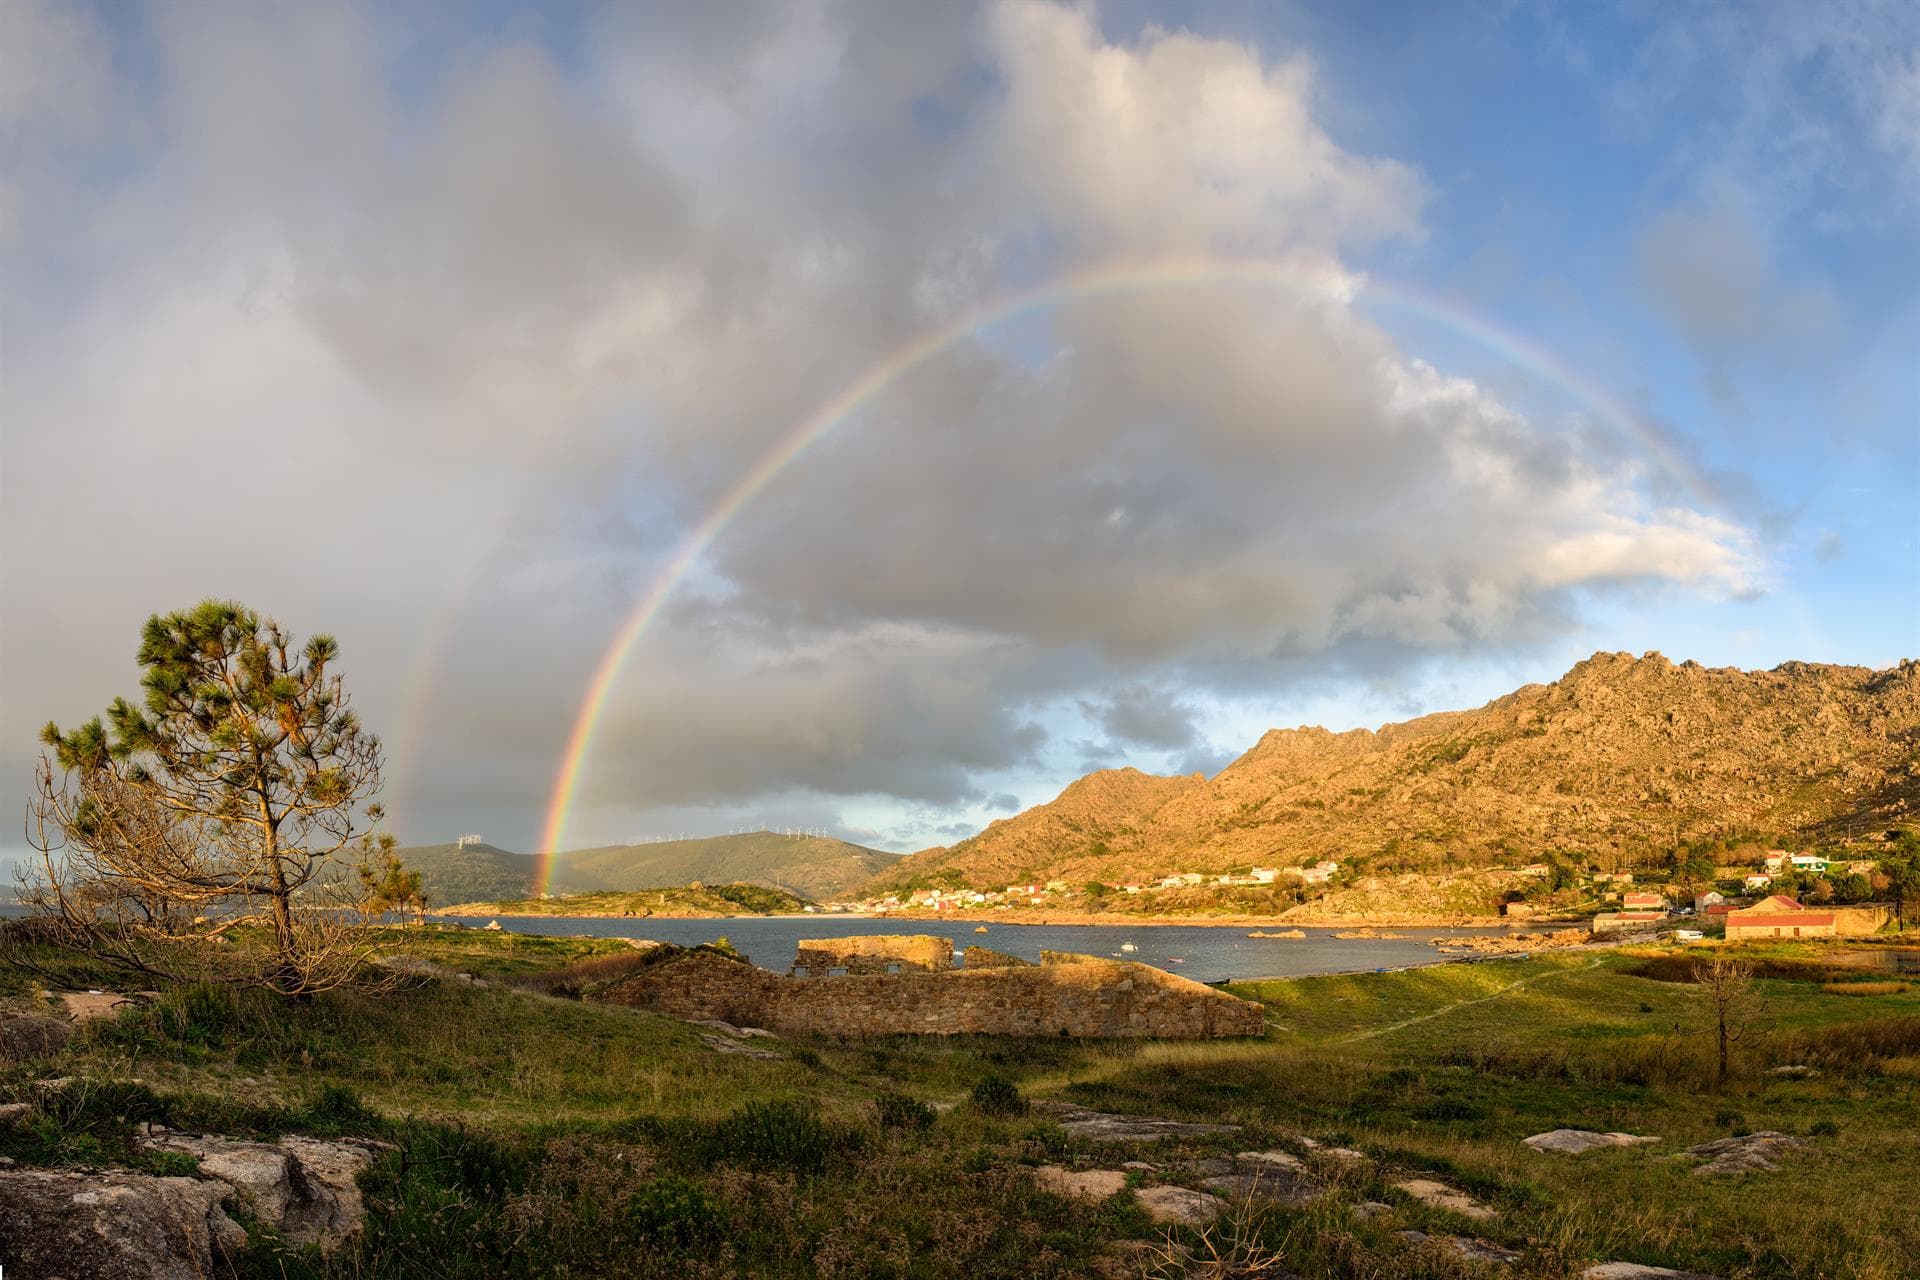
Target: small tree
[
  {"x": 386, "y": 884},
  {"x": 223, "y": 806},
  {"x": 1735, "y": 1006}
]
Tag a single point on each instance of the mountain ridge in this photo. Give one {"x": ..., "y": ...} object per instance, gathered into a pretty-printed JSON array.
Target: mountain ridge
[{"x": 1620, "y": 756}]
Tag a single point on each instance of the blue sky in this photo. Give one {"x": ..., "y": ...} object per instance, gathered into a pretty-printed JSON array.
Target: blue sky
[{"x": 511, "y": 296}]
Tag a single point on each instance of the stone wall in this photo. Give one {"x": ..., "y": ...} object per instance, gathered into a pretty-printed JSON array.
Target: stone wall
[
  {"x": 982, "y": 958},
  {"x": 1858, "y": 921},
  {"x": 875, "y": 953},
  {"x": 1087, "y": 997}
]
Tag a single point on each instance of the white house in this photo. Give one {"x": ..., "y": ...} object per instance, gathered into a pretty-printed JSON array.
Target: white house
[
  {"x": 1758, "y": 880},
  {"x": 1711, "y": 898},
  {"x": 1265, "y": 875}
]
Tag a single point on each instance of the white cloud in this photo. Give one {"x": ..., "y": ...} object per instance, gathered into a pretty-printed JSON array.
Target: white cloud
[{"x": 446, "y": 362}]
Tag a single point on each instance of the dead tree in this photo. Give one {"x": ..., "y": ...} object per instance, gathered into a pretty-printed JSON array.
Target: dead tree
[{"x": 1735, "y": 1006}]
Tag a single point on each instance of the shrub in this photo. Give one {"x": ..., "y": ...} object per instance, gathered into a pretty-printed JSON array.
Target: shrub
[
  {"x": 1448, "y": 1108},
  {"x": 785, "y": 1135},
  {"x": 997, "y": 1096},
  {"x": 898, "y": 1111},
  {"x": 335, "y": 1109},
  {"x": 673, "y": 1210}
]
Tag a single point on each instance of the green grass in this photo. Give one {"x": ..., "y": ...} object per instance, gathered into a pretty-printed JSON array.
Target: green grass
[{"x": 547, "y": 1136}]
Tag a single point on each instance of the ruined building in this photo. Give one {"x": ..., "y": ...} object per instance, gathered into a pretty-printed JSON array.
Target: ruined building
[{"x": 906, "y": 986}]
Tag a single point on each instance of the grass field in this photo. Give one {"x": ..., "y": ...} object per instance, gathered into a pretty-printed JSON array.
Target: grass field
[{"x": 546, "y": 1136}]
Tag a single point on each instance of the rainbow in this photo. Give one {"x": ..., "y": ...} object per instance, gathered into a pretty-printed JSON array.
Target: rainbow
[{"x": 1114, "y": 278}]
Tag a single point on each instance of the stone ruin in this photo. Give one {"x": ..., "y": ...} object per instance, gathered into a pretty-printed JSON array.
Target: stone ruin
[
  {"x": 872, "y": 953},
  {"x": 996, "y": 994}
]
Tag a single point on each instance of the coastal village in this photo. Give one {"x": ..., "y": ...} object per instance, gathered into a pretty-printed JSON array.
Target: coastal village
[
  {"x": 1061, "y": 892},
  {"x": 1741, "y": 902}
]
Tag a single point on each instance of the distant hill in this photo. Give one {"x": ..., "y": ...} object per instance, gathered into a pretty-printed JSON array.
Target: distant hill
[
  {"x": 1619, "y": 757},
  {"x": 680, "y": 902},
  {"x": 814, "y": 867},
  {"x": 479, "y": 872}
]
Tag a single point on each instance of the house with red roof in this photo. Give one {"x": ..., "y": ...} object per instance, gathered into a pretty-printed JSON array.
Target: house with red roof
[{"x": 1779, "y": 916}]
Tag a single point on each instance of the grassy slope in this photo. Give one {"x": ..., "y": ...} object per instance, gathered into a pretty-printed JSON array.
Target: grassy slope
[{"x": 1441, "y": 1070}]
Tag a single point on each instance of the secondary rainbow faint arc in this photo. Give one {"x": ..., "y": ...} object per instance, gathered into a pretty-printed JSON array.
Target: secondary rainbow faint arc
[{"x": 1110, "y": 278}]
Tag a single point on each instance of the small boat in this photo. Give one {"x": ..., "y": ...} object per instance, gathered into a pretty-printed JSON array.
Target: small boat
[
  {"x": 1175, "y": 960},
  {"x": 981, "y": 929},
  {"x": 1128, "y": 946}
]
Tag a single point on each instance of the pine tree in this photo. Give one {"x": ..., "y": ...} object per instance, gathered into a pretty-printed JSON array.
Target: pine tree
[{"x": 225, "y": 805}]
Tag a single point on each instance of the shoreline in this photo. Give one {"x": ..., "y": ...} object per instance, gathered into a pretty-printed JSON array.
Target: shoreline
[{"x": 1061, "y": 918}]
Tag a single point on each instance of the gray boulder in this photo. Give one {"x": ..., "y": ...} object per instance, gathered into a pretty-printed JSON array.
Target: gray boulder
[
  {"x": 1639, "y": 1271},
  {"x": 1747, "y": 1153},
  {"x": 59, "y": 1225},
  {"x": 304, "y": 1188},
  {"x": 1575, "y": 1142}
]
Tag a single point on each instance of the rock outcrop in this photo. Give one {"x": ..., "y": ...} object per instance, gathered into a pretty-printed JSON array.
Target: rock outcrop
[
  {"x": 1748, "y": 1153},
  {"x": 305, "y": 1188},
  {"x": 59, "y": 1225}
]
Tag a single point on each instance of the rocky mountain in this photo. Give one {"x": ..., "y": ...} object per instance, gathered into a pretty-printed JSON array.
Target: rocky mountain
[
  {"x": 1619, "y": 757},
  {"x": 812, "y": 866}
]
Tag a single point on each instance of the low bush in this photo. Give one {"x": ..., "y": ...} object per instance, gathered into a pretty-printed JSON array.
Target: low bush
[
  {"x": 780, "y": 1135},
  {"x": 898, "y": 1111},
  {"x": 997, "y": 1096}
]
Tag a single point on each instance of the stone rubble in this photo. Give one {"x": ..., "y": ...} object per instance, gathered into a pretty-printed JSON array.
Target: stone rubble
[
  {"x": 1639, "y": 1271},
  {"x": 728, "y": 1029},
  {"x": 721, "y": 1044},
  {"x": 1575, "y": 1142}
]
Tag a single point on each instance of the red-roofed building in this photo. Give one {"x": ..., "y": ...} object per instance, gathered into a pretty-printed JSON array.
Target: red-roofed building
[
  {"x": 1779, "y": 917},
  {"x": 1643, "y": 901}
]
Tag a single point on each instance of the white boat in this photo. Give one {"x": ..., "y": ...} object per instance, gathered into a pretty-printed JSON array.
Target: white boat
[{"x": 1128, "y": 946}]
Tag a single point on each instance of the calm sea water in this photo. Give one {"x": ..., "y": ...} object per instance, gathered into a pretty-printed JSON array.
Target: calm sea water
[{"x": 1205, "y": 953}]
